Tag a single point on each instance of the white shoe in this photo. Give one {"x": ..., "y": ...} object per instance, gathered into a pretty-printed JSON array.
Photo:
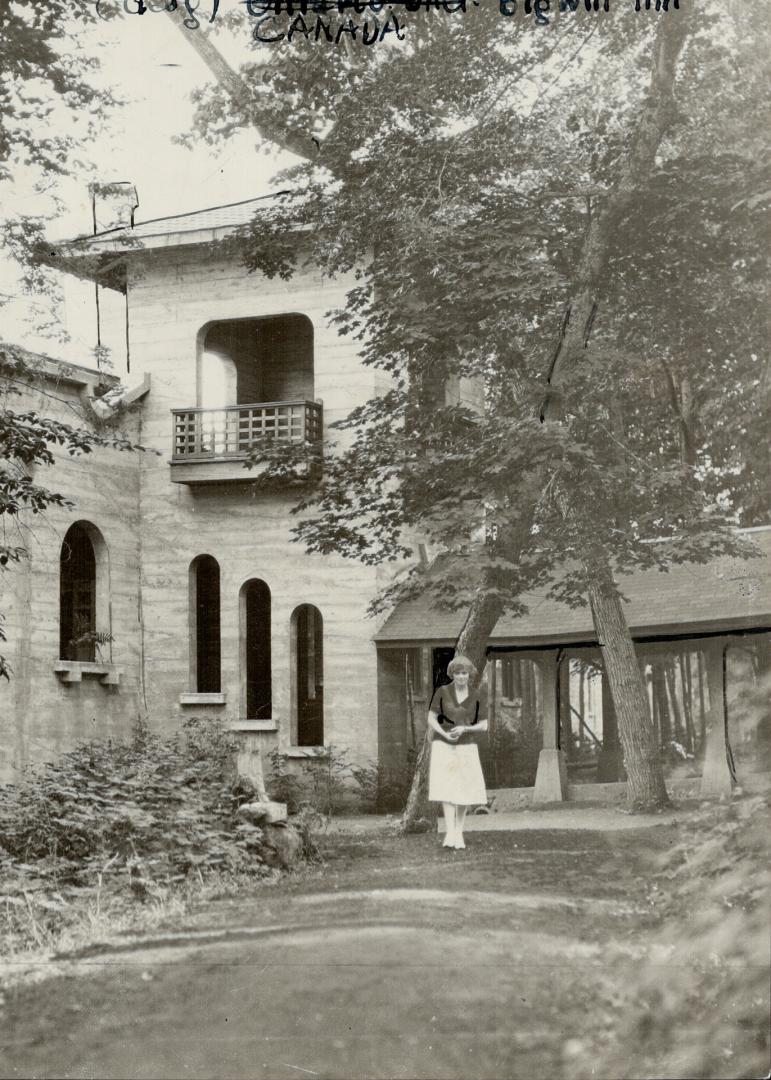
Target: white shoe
[
  {"x": 459, "y": 843},
  {"x": 449, "y": 840}
]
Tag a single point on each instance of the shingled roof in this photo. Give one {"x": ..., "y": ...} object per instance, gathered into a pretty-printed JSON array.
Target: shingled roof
[
  {"x": 102, "y": 256},
  {"x": 722, "y": 595}
]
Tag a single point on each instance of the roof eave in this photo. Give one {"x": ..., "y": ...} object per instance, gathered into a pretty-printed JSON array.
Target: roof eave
[
  {"x": 103, "y": 268},
  {"x": 644, "y": 633}
]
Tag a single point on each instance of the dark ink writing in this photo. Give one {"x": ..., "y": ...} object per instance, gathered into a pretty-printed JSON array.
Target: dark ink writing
[
  {"x": 332, "y": 21},
  {"x": 328, "y": 30}
]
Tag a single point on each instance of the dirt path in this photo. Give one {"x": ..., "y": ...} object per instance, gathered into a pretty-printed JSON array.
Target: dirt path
[{"x": 396, "y": 959}]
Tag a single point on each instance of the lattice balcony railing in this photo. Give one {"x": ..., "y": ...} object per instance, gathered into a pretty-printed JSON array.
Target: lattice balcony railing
[{"x": 217, "y": 434}]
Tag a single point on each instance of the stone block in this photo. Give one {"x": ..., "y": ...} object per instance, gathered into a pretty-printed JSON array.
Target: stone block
[
  {"x": 249, "y": 767},
  {"x": 716, "y": 777},
  {"x": 551, "y": 779},
  {"x": 282, "y": 845},
  {"x": 263, "y": 813}
]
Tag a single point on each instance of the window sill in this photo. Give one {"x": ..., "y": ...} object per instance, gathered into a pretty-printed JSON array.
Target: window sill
[
  {"x": 253, "y": 725},
  {"x": 72, "y": 671},
  {"x": 307, "y": 752},
  {"x": 203, "y": 699}
]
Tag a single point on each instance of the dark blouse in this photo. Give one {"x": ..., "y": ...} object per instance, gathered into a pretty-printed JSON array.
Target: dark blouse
[{"x": 445, "y": 702}]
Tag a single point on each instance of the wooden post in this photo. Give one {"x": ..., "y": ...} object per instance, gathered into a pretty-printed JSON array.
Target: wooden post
[
  {"x": 551, "y": 778},
  {"x": 716, "y": 774},
  {"x": 492, "y": 733}
]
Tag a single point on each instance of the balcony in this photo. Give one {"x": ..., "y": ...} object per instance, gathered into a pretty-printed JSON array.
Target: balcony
[{"x": 211, "y": 445}]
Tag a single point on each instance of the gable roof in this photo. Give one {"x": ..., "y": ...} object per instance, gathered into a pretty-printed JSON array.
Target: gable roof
[{"x": 724, "y": 594}]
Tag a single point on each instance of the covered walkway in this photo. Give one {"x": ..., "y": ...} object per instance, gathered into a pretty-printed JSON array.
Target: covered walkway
[{"x": 703, "y": 636}]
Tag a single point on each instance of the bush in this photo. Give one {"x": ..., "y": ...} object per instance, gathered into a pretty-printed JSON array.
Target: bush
[
  {"x": 332, "y": 784},
  {"x": 385, "y": 788},
  {"x": 705, "y": 1013},
  {"x": 133, "y": 818},
  {"x": 324, "y": 785}
]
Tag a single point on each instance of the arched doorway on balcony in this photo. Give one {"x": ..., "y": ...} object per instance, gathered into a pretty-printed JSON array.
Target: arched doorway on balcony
[
  {"x": 265, "y": 359},
  {"x": 255, "y": 382}
]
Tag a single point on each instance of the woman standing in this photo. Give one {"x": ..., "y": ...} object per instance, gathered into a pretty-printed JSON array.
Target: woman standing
[{"x": 456, "y": 716}]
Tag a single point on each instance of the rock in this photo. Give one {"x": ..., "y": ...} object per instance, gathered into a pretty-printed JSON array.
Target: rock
[
  {"x": 262, "y": 813},
  {"x": 245, "y": 786},
  {"x": 281, "y": 845}
]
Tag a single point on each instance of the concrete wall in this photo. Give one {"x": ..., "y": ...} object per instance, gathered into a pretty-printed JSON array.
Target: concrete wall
[
  {"x": 154, "y": 528},
  {"x": 172, "y": 296},
  {"x": 40, "y": 716}
]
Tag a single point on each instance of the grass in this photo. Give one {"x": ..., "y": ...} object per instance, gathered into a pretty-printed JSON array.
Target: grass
[{"x": 29, "y": 940}]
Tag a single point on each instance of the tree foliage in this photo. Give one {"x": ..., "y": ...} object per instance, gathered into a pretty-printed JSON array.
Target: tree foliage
[
  {"x": 45, "y": 78},
  {"x": 461, "y": 208},
  {"x": 48, "y": 111}
]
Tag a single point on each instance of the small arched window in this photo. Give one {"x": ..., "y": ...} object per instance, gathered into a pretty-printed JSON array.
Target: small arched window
[
  {"x": 307, "y": 636},
  {"x": 255, "y": 649},
  {"x": 205, "y": 624},
  {"x": 84, "y": 609}
]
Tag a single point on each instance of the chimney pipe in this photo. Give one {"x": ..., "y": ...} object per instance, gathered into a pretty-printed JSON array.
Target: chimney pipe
[{"x": 113, "y": 205}]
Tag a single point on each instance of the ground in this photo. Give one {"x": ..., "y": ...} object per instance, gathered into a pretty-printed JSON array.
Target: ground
[{"x": 394, "y": 959}]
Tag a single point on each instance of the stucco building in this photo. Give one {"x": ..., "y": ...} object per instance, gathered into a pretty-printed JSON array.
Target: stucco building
[{"x": 172, "y": 587}]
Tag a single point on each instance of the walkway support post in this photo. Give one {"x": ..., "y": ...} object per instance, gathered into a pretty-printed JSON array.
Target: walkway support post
[
  {"x": 716, "y": 776},
  {"x": 551, "y": 778}
]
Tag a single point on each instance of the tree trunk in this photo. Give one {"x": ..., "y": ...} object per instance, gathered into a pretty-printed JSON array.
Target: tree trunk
[
  {"x": 677, "y": 717},
  {"x": 418, "y": 812},
  {"x": 247, "y": 97},
  {"x": 662, "y": 704},
  {"x": 686, "y": 680},
  {"x": 654, "y": 702},
  {"x": 479, "y": 625},
  {"x": 656, "y": 115},
  {"x": 702, "y": 705},
  {"x": 493, "y": 720},
  {"x": 646, "y": 789},
  {"x": 472, "y": 642},
  {"x": 411, "y": 730}
]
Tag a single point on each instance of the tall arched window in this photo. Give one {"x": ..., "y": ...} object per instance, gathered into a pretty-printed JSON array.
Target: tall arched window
[
  {"x": 255, "y": 649},
  {"x": 84, "y": 595},
  {"x": 307, "y": 635},
  {"x": 205, "y": 624}
]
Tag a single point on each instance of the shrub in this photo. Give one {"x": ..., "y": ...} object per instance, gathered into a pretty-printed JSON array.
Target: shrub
[
  {"x": 133, "y": 818},
  {"x": 385, "y": 788},
  {"x": 325, "y": 784},
  {"x": 706, "y": 1014}
]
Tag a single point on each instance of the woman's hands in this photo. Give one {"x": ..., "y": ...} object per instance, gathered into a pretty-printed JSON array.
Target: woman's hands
[{"x": 455, "y": 733}]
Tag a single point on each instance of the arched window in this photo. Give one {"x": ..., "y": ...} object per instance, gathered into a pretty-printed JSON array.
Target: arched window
[
  {"x": 307, "y": 635},
  {"x": 255, "y": 649},
  {"x": 84, "y": 606},
  {"x": 205, "y": 624}
]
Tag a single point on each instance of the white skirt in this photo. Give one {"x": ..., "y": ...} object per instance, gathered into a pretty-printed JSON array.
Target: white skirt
[{"x": 455, "y": 774}]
